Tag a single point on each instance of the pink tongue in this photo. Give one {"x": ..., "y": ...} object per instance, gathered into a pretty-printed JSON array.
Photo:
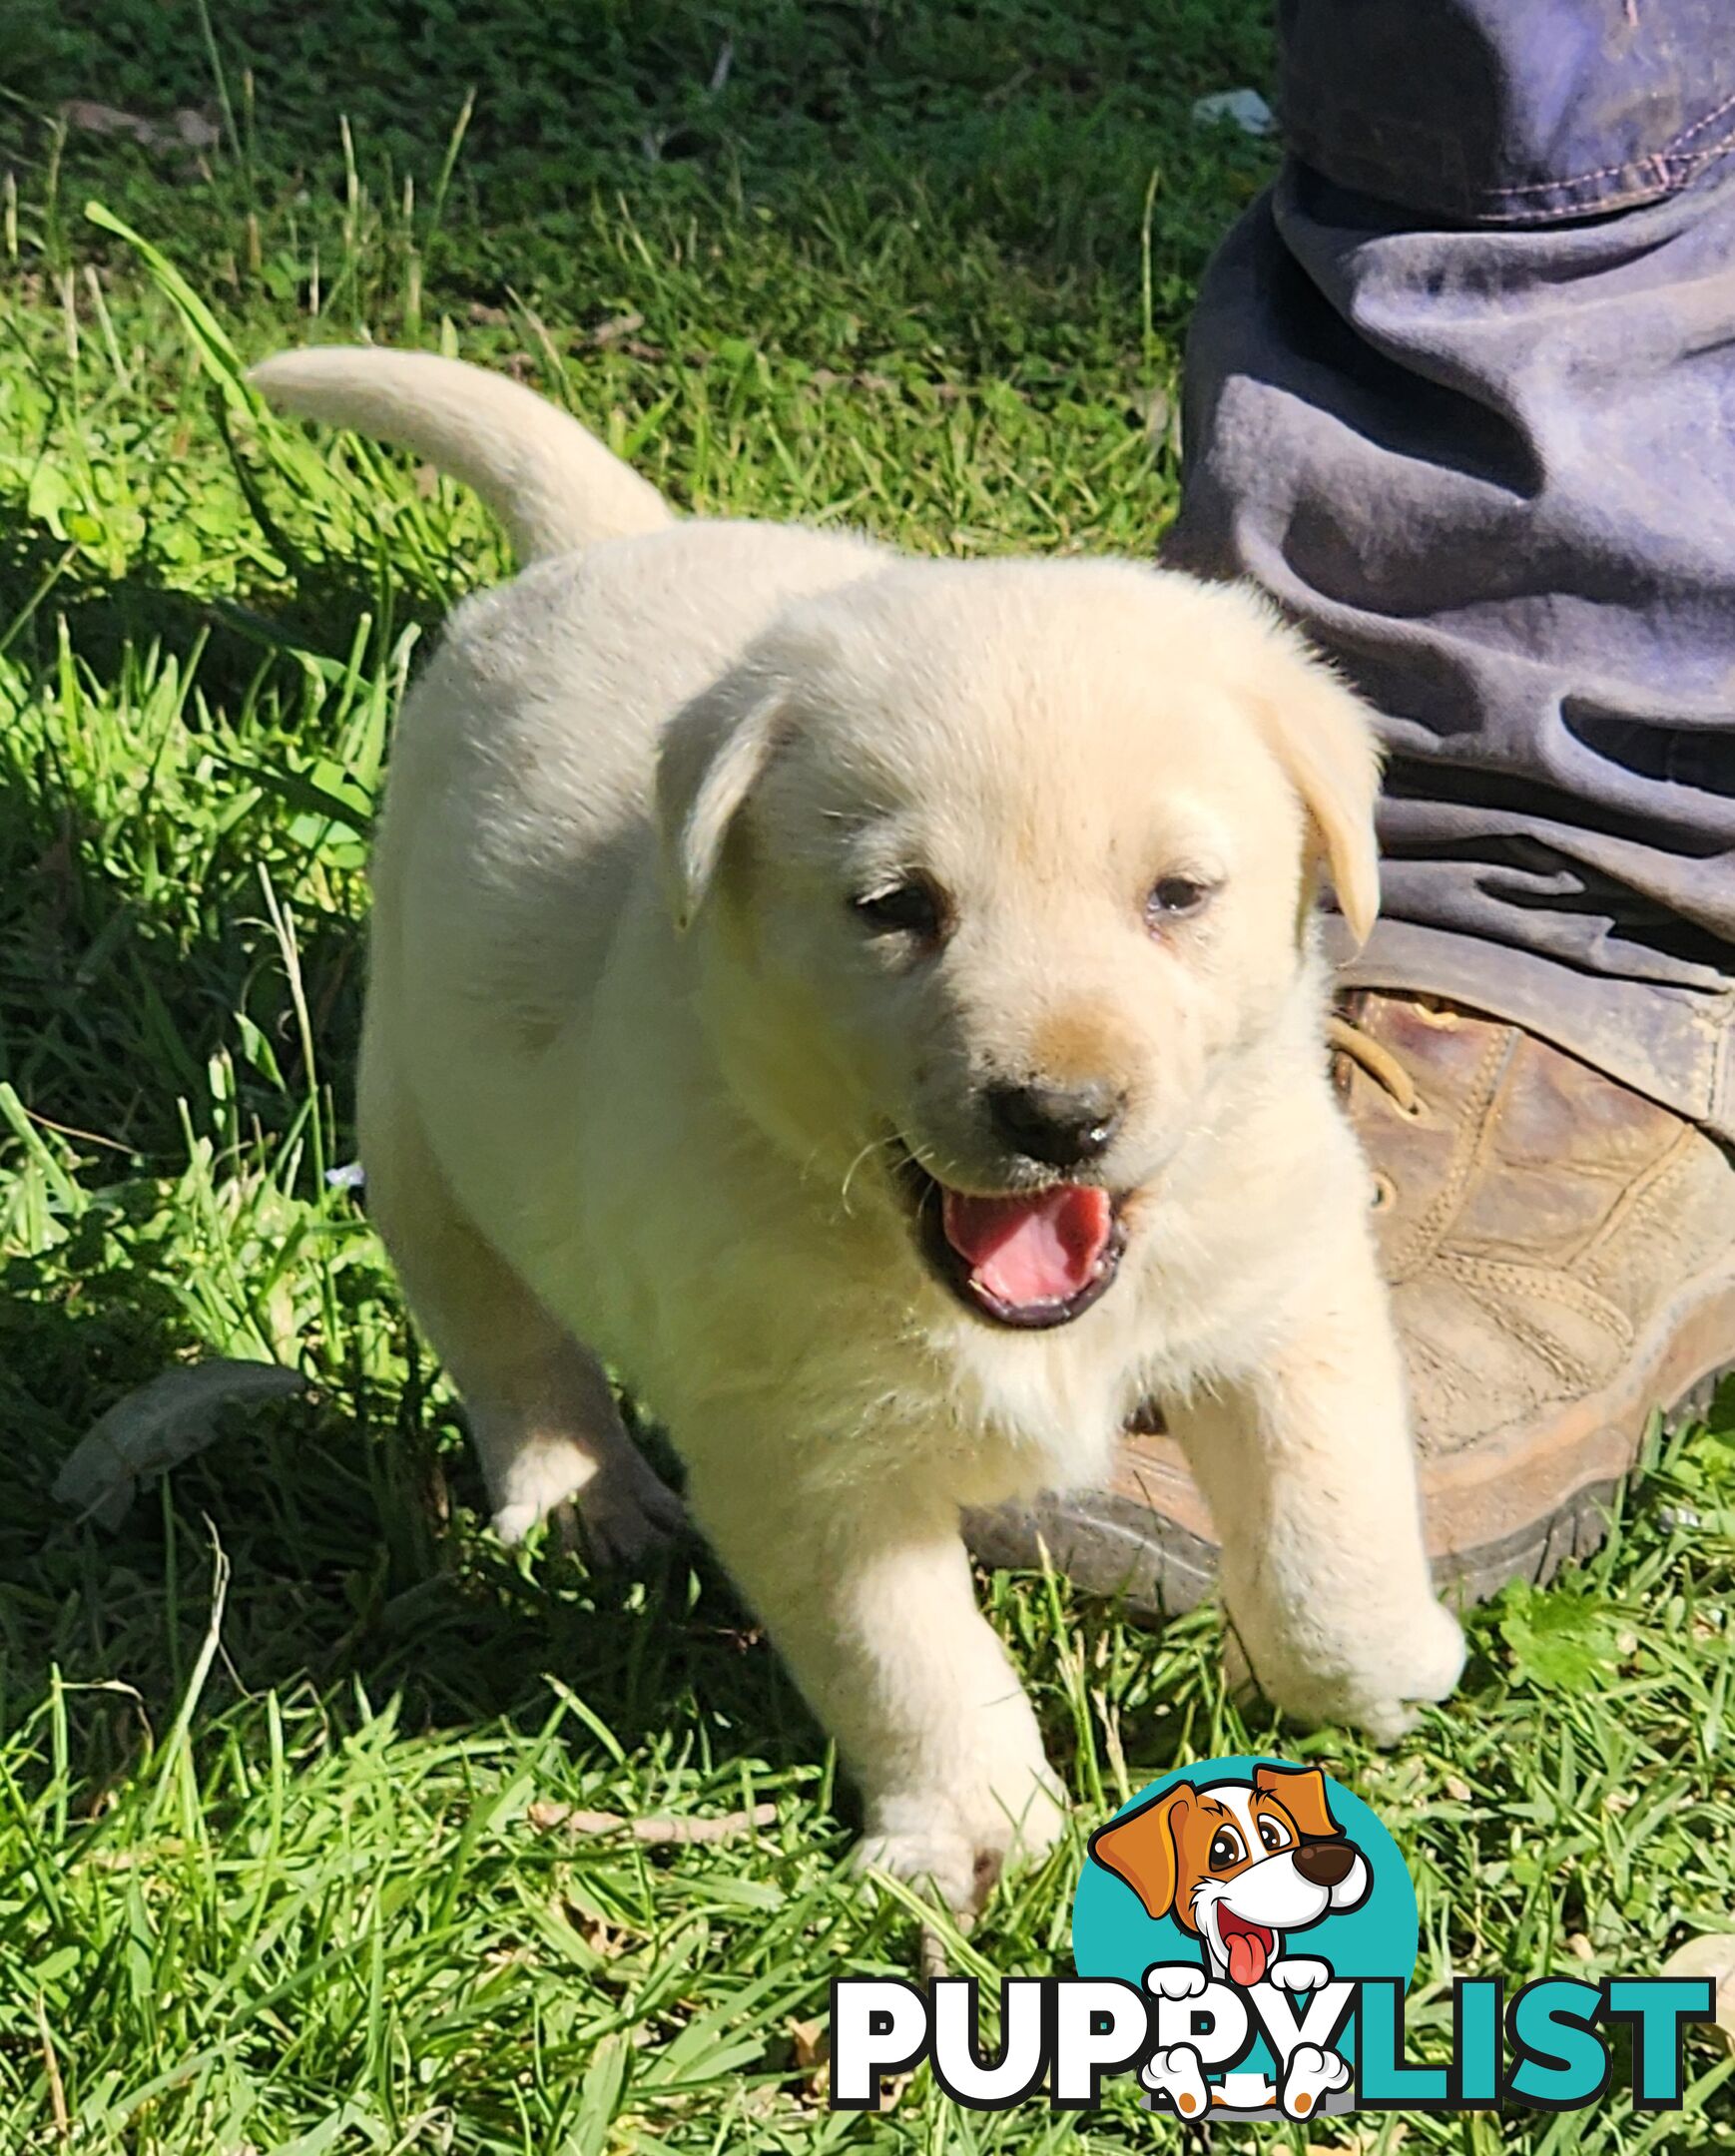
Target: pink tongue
[
  {"x": 1042, "y": 1247},
  {"x": 1246, "y": 1959}
]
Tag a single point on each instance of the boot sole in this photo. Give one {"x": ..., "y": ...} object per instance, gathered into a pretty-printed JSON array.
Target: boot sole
[{"x": 1516, "y": 1505}]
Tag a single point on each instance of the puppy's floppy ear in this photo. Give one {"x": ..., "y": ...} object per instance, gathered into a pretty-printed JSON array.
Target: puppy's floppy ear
[
  {"x": 711, "y": 756},
  {"x": 1322, "y": 734},
  {"x": 1302, "y": 1792},
  {"x": 1140, "y": 1848}
]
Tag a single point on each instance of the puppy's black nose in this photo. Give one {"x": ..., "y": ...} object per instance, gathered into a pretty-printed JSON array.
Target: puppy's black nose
[
  {"x": 1060, "y": 1126},
  {"x": 1325, "y": 1864}
]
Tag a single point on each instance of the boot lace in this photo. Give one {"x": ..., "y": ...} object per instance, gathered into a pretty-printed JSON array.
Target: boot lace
[{"x": 1374, "y": 1057}]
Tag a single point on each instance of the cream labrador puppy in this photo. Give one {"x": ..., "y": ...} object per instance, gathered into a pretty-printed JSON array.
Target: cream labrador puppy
[{"x": 872, "y": 1004}]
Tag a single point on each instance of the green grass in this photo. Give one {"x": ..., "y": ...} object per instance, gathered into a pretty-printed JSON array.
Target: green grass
[{"x": 270, "y": 1878}]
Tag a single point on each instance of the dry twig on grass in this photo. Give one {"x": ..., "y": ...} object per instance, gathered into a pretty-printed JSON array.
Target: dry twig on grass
[{"x": 660, "y": 1830}]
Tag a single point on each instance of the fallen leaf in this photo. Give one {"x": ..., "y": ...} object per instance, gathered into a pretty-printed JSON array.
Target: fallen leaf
[
  {"x": 892, "y": 2088},
  {"x": 813, "y": 2051},
  {"x": 1713, "y": 1956},
  {"x": 95, "y": 119},
  {"x": 1249, "y": 111},
  {"x": 196, "y": 130},
  {"x": 162, "y": 1423},
  {"x": 603, "y": 1939},
  {"x": 190, "y": 129}
]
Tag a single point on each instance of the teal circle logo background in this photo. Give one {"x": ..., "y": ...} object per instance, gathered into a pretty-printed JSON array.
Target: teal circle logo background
[{"x": 1112, "y": 1935}]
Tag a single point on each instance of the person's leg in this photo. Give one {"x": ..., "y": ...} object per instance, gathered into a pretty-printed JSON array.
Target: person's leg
[
  {"x": 1460, "y": 394},
  {"x": 1492, "y": 471}
]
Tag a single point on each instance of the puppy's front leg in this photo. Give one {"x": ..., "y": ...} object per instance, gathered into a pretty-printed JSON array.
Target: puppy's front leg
[
  {"x": 1310, "y": 1472},
  {"x": 868, "y": 1595}
]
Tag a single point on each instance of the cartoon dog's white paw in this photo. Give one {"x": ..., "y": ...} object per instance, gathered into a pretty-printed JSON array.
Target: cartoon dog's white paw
[
  {"x": 1310, "y": 2074},
  {"x": 1175, "y": 1980},
  {"x": 1175, "y": 2077},
  {"x": 1298, "y": 1972}
]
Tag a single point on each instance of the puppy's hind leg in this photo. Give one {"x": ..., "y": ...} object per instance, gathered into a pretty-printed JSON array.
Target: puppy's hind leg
[{"x": 539, "y": 1404}]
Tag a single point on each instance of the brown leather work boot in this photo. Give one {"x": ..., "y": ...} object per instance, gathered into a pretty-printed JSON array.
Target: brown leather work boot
[{"x": 1562, "y": 1254}]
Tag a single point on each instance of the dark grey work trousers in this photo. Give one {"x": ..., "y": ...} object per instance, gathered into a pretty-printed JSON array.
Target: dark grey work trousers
[{"x": 1460, "y": 394}]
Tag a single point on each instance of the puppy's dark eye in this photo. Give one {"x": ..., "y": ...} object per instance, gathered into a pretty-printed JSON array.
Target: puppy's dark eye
[
  {"x": 1270, "y": 1834},
  {"x": 911, "y": 907},
  {"x": 1225, "y": 1849},
  {"x": 1173, "y": 898}
]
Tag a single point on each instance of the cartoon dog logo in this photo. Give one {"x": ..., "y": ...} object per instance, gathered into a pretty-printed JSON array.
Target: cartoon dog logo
[{"x": 1242, "y": 1866}]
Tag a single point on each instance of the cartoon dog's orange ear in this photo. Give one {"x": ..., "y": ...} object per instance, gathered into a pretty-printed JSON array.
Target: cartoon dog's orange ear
[
  {"x": 1302, "y": 1792},
  {"x": 1140, "y": 1848}
]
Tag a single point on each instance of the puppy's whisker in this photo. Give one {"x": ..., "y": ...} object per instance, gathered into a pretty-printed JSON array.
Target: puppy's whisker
[
  {"x": 872, "y": 1146},
  {"x": 923, "y": 1156},
  {"x": 886, "y": 1144}
]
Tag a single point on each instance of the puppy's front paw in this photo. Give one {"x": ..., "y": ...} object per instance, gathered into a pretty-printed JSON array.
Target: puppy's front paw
[
  {"x": 940, "y": 1859},
  {"x": 1376, "y": 1680},
  {"x": 1422, "y": 1664},
  {"x": 962, "y": 1848}
]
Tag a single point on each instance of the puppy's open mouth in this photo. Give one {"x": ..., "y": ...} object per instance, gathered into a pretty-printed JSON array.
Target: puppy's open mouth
[
  {"x": 1245, "y": 1946},
  {"x": 1028, "y": 1259}
]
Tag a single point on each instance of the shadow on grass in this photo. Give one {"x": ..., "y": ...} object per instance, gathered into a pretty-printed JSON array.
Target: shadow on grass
[
  {"x": 357, "y": 1568},
  {"x": 119, "y": 979},
  {"x": 1032, "y": 126},
  {"x": 322, "y": 611}
]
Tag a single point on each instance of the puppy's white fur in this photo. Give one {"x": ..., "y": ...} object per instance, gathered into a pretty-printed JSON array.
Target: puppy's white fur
[{"x": 632, "y": 1070}]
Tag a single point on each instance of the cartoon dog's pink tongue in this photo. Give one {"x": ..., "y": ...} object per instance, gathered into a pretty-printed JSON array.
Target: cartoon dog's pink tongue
[
  {"x": 1248, "y": 1951},
  {"x": 1037, "y": 1247}
]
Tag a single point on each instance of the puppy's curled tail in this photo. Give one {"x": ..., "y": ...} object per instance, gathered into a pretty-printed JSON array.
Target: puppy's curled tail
[{"x": 548, "y": 479}]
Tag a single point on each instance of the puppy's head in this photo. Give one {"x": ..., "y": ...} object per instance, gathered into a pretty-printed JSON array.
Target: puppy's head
[{"x": 1001, "y": 868}]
